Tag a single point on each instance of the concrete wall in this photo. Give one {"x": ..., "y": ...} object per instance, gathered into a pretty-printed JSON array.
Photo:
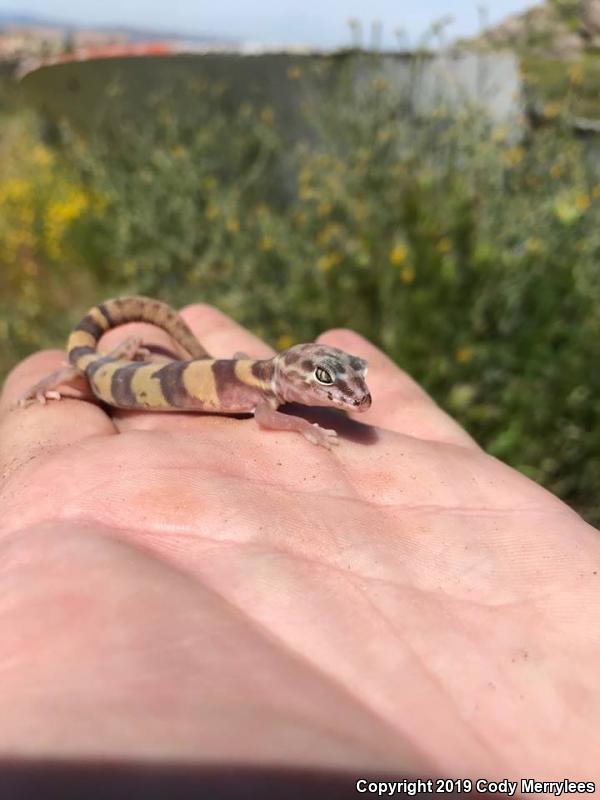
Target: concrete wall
[{"x": 87, "y": 91}]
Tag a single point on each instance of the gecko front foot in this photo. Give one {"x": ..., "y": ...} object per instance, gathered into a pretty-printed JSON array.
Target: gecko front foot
[
  {"x": 325, "y": 437},
  {"x": 268, "y": 417}
]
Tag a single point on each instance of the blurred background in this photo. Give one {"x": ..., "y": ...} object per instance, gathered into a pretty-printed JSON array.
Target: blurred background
[{"x": 430, "y": 181}]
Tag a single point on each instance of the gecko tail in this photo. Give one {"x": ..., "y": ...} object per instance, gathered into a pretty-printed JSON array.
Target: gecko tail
[{"x": 81, "y": 346}]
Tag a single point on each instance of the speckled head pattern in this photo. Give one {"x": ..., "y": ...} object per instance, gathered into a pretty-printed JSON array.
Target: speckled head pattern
[{"x": 314, "y": 374}]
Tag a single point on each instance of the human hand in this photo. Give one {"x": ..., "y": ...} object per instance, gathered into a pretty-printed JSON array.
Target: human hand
[{"x": 189, "y": 587}]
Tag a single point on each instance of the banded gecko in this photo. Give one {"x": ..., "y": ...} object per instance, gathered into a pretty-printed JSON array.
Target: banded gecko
[{"x": 310, "y": 374}]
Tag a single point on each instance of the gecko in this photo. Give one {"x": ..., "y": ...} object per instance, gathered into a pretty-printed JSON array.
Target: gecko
[{"x": 310, "y": 374}]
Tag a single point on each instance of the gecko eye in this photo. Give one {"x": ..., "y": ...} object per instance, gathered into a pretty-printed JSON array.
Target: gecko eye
[{"x": 323, "y": 376}]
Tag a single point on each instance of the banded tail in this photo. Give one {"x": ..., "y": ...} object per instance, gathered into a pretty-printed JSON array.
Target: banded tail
[{"x": 82, "y": 343}]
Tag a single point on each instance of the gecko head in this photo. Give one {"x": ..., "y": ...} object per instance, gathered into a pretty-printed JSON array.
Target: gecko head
[{"x": 314, "y": 374}]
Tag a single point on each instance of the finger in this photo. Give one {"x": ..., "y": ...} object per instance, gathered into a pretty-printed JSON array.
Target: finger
[
  {"x": 399, "y": 403},
  {"x": 221, "y": 336},
  {"x": 151, "y": 336},
  {"x": 27, "y": 432}
]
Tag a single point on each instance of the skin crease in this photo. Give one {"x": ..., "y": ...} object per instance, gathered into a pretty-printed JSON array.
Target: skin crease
[{"x": 190, "y": 587}]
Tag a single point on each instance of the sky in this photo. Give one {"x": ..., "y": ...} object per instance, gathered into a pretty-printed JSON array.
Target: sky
[{"x": 315, "y": 22}]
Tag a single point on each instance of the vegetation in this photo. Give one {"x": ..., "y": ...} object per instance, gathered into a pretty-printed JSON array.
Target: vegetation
[
  {"x": 470, "y": 256},
  {"x": 568, "y": 88}
]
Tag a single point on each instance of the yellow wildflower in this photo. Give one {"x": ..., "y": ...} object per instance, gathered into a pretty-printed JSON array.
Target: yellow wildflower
[
  {"x": 534, "y": 245},
  {"x": 551, "y": 110},
  {"x": 464, "y": 354},
  {"x": 500, "y": 133},
  {"x": 556, "y": 170},
  {"x": 324, "y": 208},
  {"x": 58, "y": 216},
  {"x": 398, "y": 255},
  {"x": 16, "y": 189},
  {"x": 284, "y": 341},
  {"x": 329, "y": 260},
  {"x": 212, "y": 211},
  {"x": 41, "y": 156},
  {"x": 462, "y": 395},
  {"x": 71, "y": 207},
  {"x": 328, "y": 233},
  {"x": 294, "y": 73},
  {"x": 306, "y": 193},
  {"x": 444, "y": 245},
  {"x": 407, "y": 275},
  {"x": 514, "y": 155},
  {"x": 582, "y": 202},
  {"x": 267, "y": 243},
  {"x": 565, "y": 211},
  {"x": 233, "y": 225},
  {"x": 575, "y": 74},
  {"x": 267, "y": 115}
]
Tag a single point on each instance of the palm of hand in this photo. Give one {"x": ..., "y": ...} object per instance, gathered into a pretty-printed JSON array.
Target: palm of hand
[{"x": 198, "y": 588}]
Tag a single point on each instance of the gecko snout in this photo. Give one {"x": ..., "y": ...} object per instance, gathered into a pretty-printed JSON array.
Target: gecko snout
[{"x": 364, "y": 402}]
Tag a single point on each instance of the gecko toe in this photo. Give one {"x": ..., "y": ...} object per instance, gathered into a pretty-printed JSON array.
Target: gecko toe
[{"x": 325, "y": 437}]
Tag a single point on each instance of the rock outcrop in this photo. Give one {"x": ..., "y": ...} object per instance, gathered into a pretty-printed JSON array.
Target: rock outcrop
[{"x": 546, "y": 30}]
